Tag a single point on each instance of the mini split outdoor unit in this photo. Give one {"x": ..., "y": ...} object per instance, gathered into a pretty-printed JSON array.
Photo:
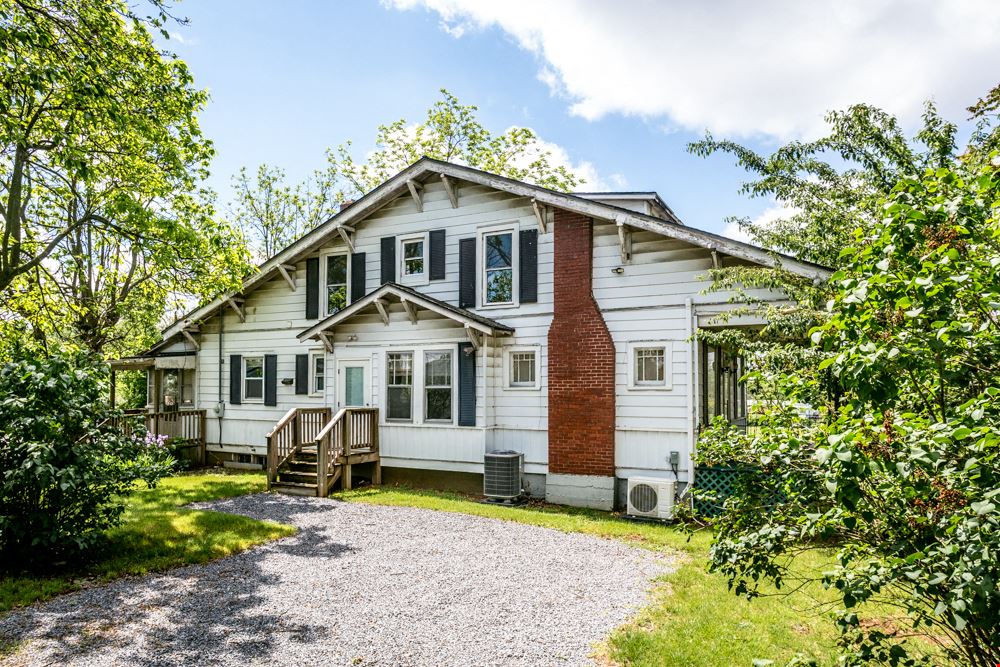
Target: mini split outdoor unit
[
  {"x": 502, "y": 472},
  {"x": 651, "y": 497}
]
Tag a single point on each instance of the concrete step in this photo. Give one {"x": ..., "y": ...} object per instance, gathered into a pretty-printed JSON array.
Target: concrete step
[{"x": 294, "y": 489}]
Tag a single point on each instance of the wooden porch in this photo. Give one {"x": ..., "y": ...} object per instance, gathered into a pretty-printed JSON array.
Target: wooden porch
[
  {"x": 184, "y": 425},
  {"x": 310, "y": 449}
]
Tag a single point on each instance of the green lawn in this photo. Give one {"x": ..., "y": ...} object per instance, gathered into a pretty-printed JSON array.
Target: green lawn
[
  {"x": 693, "y": 619},
  {"x": 158, "y": 534}
]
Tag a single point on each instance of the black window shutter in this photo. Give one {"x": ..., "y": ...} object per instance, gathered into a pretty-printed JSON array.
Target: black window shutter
[
  {"x": 301, "y": 373},
  {"x": 437, "y": 243},
  {"x": 467, "y": 273},
  {"x": 466, "y": 385},
  {"x": 358, "y": 267},
  {"x": 270, "y": 379},
  {"x": 388, "y": 259},
  {"x": 235, "y": 378},
  {"x": 528, "y": 263},
  {"x": 312, "y": 288}
]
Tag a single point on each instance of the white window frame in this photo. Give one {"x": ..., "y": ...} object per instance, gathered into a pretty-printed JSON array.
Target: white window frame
[
  {"x": 323, "y": 298},
  {"x": 515, "y": 258},
  {"x": 668, "y": 348},
  {"x": 423, "y": 383},
  {"x": 415, "y": 362},
  {"x": 244, "y": 378},
  {"x": 313, "y": 356},
  {"x": 508, "y": 370},
  {"x": 416, "y": 278}
]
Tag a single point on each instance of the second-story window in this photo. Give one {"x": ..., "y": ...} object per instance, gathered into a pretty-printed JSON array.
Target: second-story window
[
  {"x": 498, "y": 268},
  {"x": 413, "y": 258},
  {"x": 336, "y": 283}
]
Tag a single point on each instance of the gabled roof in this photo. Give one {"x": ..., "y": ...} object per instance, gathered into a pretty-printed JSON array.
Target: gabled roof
[
  {"x": 408, "y": 295},
  {"x": 427, "y": 167}
]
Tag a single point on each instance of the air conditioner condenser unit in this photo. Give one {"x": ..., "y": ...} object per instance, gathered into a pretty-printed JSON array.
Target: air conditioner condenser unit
[
  {"x": 651, "y": 497},
  {"x": 502, "y": 475}
]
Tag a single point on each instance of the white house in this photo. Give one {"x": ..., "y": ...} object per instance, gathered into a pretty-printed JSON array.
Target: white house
[{"x": 476, "y": 313}]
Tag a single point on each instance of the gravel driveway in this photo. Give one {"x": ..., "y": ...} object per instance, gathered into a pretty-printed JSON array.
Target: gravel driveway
[{"x": 358, "y": 585}]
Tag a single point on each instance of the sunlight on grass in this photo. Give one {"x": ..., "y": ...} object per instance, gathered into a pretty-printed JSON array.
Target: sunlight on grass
[
  {"x": 157, "y": 533},
  {"x": 692, "y": 618}
]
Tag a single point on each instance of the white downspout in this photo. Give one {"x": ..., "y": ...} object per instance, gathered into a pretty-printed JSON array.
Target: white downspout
[{"x": 691, "y": 389}]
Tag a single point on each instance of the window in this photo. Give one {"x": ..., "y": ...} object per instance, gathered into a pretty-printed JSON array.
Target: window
[
  {"x": 498, "y": 268},
  {"x": 437, "y": 386},
  {"x": 413, "y": 259},
  {"x": 253, "y": 378},
  {"x": 150, "y": 388},
  {"x": 318, "y": 371},
  {"x": 649, "y": 365},
  {"x": 335, "y": 295},
  {"x": 522, "y": 369},
  {"x": 399, "y": 385},
  {"x": 722, "y": 392}
]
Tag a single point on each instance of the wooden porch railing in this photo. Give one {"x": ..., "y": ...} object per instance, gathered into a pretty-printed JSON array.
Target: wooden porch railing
[
  {"x": 185, "y": 424},
  {"x": 299, "y": 426},
  {"x": 351, "y": 432}
]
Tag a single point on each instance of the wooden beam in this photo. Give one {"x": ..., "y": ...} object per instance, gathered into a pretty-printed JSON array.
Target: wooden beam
[
  {"x": 715, "y": 260},
  {"x": 475, "y": 337},
  {"x": 287, "y": 272},
  {"x": 191, "y": 339},
  {"x": 415, "y": 190},
  {"x": 347, "y": 239},
  {"x": 411, "y": 310},
  {"x": 451, "y": 189},
  {"x": 327, "y": 343},
  {"x": 624, "y": 243},
  {"x": 237, "y": 305},
  {"x": 543, "y": 225},
  {"x": 383, "y": 313}
]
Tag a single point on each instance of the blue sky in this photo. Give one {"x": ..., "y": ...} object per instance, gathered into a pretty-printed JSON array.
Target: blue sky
[{"x": 288, "y": 82}]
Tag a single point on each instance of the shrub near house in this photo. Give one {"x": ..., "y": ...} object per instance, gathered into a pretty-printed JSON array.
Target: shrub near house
[{"x": 62, "y": 478}]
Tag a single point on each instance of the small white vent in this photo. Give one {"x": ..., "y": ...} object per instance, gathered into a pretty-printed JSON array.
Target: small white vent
[
  {"x": 502, "y": 475},
  {"x": 651, "y": 497}
]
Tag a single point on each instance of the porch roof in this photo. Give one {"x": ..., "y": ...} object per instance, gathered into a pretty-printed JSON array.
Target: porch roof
[{"x": 411, "y": 300}]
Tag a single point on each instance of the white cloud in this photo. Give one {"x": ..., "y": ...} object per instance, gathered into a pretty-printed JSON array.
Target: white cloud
[
  {"x": 769, "y": 215},
  {"x": 587, "y": 171},
  {"x": 769, "y": 68}
]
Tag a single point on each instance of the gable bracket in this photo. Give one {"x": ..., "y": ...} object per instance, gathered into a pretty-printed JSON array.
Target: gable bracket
[
  {"x": 475, "y": 337},
  {"x": 327, "y": 343},
  {"x": 451, "y": 189},
  {"x": 716, "y": 264},
  {"x": 346, "y": 237},
  {"x": 540, "y": 214},
  {"x": 383, "y": 313},
  {"x": 415, "y": 191},
  {"x": 237, "y": 305},
  {"x": 287, "y": 272},
  {"x": 410, "y": 309},
  {"x": 191, "y": 339},
  {"x": 625, "y": 243}
]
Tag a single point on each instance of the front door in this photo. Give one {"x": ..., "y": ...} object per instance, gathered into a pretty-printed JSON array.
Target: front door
[{"x": 353, "y": 383}]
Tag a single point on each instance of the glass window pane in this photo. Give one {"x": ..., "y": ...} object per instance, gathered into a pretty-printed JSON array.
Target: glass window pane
[
  {"x": 522, "y": 368},
  {"x": 399, "y": 403},
  {"x": 254, "y": 388},
  {"x": 438, "y": 404},
  {"x": 354, "y": 385},
  {"x": 413, "y": 258},
  {"x": 437, "y": 369},
  {"x": 413, "y": 249},
  {"x": 255, "y": 367},
  {"x": 319, "y": 374},
  {"x": 499, "y": 286},
  {"x": 336, "y": 270},
  {"x": 650, "y": 366},
  {"x": 498, "y": 251},
  {"x": 336, "y": 299}
]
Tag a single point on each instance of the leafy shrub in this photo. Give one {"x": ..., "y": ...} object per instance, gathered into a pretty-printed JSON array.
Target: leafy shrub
[
  {"x": 62, "y": 474},
  {"x": 902, "y": 476}
]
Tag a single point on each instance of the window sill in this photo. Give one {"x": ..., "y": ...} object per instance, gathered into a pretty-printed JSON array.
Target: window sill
[
  {"x": 524, "y": 388},
  {"x": 497, "y": 306},
  {"x": 650, "y": 387}
]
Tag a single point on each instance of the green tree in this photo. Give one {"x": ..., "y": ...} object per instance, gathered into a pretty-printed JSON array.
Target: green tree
[
  {"x": 101, "y": 158},
  {"x": 901, "y": 474}
]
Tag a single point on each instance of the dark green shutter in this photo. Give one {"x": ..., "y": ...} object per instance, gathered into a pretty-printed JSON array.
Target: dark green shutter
[
  {"x": 301, "y": 373},
  {"x": 437, "y": 254},
  {"x": 528, "y": 263},
  {"x": 467, "y": 273},
  {"x": 312, "y": 288},
  {"x": 466, "y": 384},
  {"x": 270, "y": 379},
  {"x": 235, "y": 378},
  {"x": 358, "y": 269},
  {"x": 388, "y": 260}
]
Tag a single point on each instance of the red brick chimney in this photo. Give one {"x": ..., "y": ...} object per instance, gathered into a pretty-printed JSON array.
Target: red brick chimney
[{"x": 581, "y": 359}]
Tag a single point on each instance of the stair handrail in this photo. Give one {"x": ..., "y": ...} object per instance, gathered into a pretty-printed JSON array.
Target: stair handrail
[
  {"x": 274, "y": 442},
  {"x": 325, "y": 458}
]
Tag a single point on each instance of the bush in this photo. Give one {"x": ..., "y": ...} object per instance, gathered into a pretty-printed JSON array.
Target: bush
[{"x": 63, "y": 476}]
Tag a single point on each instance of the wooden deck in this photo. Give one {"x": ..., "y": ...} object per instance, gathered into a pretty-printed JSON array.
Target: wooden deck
[{"x": 310, "y": 450}]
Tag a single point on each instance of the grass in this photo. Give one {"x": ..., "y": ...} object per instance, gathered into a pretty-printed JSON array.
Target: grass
[
  {"x": 157, "y": 534},
  {"x": 692, "y": 618}
]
